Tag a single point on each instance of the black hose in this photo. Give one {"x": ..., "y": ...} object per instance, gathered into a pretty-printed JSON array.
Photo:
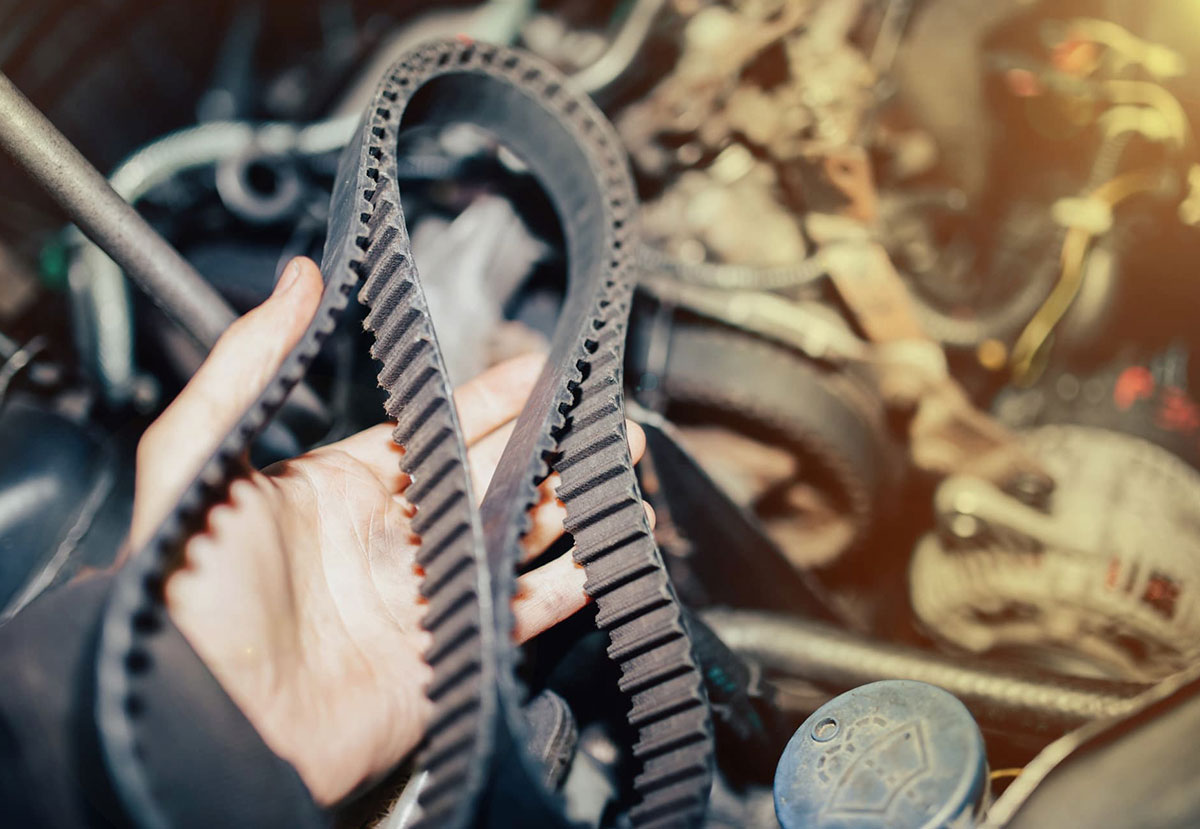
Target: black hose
[{"x": 1000, "y": 697}]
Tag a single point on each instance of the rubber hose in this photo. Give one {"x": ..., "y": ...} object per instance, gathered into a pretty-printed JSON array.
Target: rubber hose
[{"x": 1001, "y": 697}]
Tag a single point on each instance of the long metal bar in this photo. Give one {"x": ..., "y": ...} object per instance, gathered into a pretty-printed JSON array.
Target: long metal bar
[{"x": 108, "y": 220}]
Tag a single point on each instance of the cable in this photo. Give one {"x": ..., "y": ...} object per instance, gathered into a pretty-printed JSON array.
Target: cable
[
  {"x": 736, "y": 277},
  {"x": 98, "y": 287},
  {"x": 1074, "y": 250},
  {"x": 838, "y": 660},
  {"x": 606, "y": 69}
]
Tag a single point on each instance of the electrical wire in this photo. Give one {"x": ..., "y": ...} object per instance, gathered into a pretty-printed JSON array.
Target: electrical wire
[
  {"x": 617, "y": 58},
  {"x": 1037, "y": 332},
  {"x": 736, "y": 277}
]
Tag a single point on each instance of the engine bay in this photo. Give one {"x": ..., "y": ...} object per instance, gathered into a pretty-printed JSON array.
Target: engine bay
[{"x": 911, "y": 342}]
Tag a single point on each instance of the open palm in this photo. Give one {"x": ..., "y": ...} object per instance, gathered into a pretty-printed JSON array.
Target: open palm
[{"x": 301, "y": 595}]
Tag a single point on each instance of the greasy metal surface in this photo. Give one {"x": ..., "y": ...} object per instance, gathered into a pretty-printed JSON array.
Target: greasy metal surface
[{"x": 573, "y": 424}]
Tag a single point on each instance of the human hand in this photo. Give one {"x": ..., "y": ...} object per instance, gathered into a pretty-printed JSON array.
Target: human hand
[{"x": 301, "y": 593}]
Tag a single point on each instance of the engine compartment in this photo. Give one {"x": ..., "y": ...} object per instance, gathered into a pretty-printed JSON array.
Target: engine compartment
[{"x": 911, "y": 341}]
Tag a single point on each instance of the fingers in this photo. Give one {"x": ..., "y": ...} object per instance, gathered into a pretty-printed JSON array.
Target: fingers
[
  {"x": 550, "y": 594},
  {"x": 496, "y": 396},
  {"x": 484, "y": 457},
  {"x": 637, "y": 440},
  {"x": 248, "y": 354},
  {"x": 498, "y": 393},
  {"x": 548, "y": 515},
  {"x": 546, "y": 596},
  {"x": 486, "y": 452},
  {"x": 241, "y": 364},
  {"x": 547, "y": 519},
  {"x": 374, "y": 449},
  {"x": 489, "y": 402}
]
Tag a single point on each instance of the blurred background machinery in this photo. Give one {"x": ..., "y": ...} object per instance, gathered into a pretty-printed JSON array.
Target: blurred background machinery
[{"x": 913, "y": 341}]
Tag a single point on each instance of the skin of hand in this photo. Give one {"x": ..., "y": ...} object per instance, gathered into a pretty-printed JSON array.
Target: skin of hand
[{"x": 301, "y": 593}]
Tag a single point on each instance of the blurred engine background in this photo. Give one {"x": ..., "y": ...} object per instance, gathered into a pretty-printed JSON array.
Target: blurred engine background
[{"x": 913, "y": 344}]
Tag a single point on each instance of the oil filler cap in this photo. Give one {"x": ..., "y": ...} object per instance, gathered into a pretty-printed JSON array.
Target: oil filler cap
[{"x": 897, "y": 754}]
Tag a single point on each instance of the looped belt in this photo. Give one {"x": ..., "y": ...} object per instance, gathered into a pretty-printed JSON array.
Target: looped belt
[{"x": 478, "y": 770}]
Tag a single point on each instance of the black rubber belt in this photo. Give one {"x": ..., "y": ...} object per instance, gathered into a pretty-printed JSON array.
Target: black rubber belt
[
  {"x": 573, "y": 424},
  {"x": 841, "y": 424}
]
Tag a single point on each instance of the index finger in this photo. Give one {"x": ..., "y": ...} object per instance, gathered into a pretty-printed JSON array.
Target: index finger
[{"x": 497, "y": 396}]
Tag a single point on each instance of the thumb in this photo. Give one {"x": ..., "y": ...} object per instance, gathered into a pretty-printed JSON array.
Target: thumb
[{"x": 237, "y": 370}]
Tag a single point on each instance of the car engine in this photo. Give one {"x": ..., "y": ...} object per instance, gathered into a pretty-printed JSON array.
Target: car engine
[{"x": 901, "y": 293}]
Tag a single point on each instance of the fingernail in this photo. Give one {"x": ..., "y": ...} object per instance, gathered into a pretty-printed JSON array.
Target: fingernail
[{"x": 289, "y": 278}]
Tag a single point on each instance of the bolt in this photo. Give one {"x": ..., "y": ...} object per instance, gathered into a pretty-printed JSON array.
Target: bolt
[
  {"x": 825, "y": 730},
  {"x": 1032, "y": 490}
]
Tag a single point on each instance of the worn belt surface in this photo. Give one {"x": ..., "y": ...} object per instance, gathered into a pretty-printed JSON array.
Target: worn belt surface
[{"x": 573, "y": 425}]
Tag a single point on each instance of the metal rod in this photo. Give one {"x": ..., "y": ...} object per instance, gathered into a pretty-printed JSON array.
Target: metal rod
[{"x": 108, "y": 220}]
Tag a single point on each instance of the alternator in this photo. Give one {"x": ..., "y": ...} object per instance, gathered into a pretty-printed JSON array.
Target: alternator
[{"x": 1101, "y": 577}]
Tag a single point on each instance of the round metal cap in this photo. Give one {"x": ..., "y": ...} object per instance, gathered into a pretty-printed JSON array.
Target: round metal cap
[{"x": 897, "y": 754}]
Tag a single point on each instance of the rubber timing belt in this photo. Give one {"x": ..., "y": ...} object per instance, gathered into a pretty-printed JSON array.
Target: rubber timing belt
[
  {"x": 479, "y": 773},
  {"x": 830, "y": 416}
]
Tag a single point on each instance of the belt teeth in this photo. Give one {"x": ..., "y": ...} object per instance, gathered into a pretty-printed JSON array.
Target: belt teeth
[
  {"x": 679, "y": 804},
  {"x": 450, "y": 606},
  {"x": 442, "y": 796},
  {"x": 446, "y": 539},
  {"x": 667, "y": 737},
  {"x": 384, "y": 276},
  {"x": 423, "y": 404},
  {"x": 429, "y": 481},
  {"x": 632, "y": 600},
  {"x": 384, "y": 298},
  {"x": 650, "y": 673},
  {"x": 457, "y": 733},
  {"x": 416, "y": 396},
  {"x": 454, "y": 628},
  {"x": 382, "y": 212},
  {"x": 455, "y": 675},
  {"x": 606, "y": 577},
  {"x": 600, "y": 408},
  {"x": 567, "y": 493},
  {"x": 607, "y": 547},
  {"x": 661, "y": 772},
  {"x": 378, "y": 247},
  {"x": 607, "y": 517},
  {"x": 397, "y": 324},
  {"x": 442, "y": 571},
  {"x": 418, "y": 448},
  {"x": 659, "y": 628},
  {"x": 661, "y": 697}
]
